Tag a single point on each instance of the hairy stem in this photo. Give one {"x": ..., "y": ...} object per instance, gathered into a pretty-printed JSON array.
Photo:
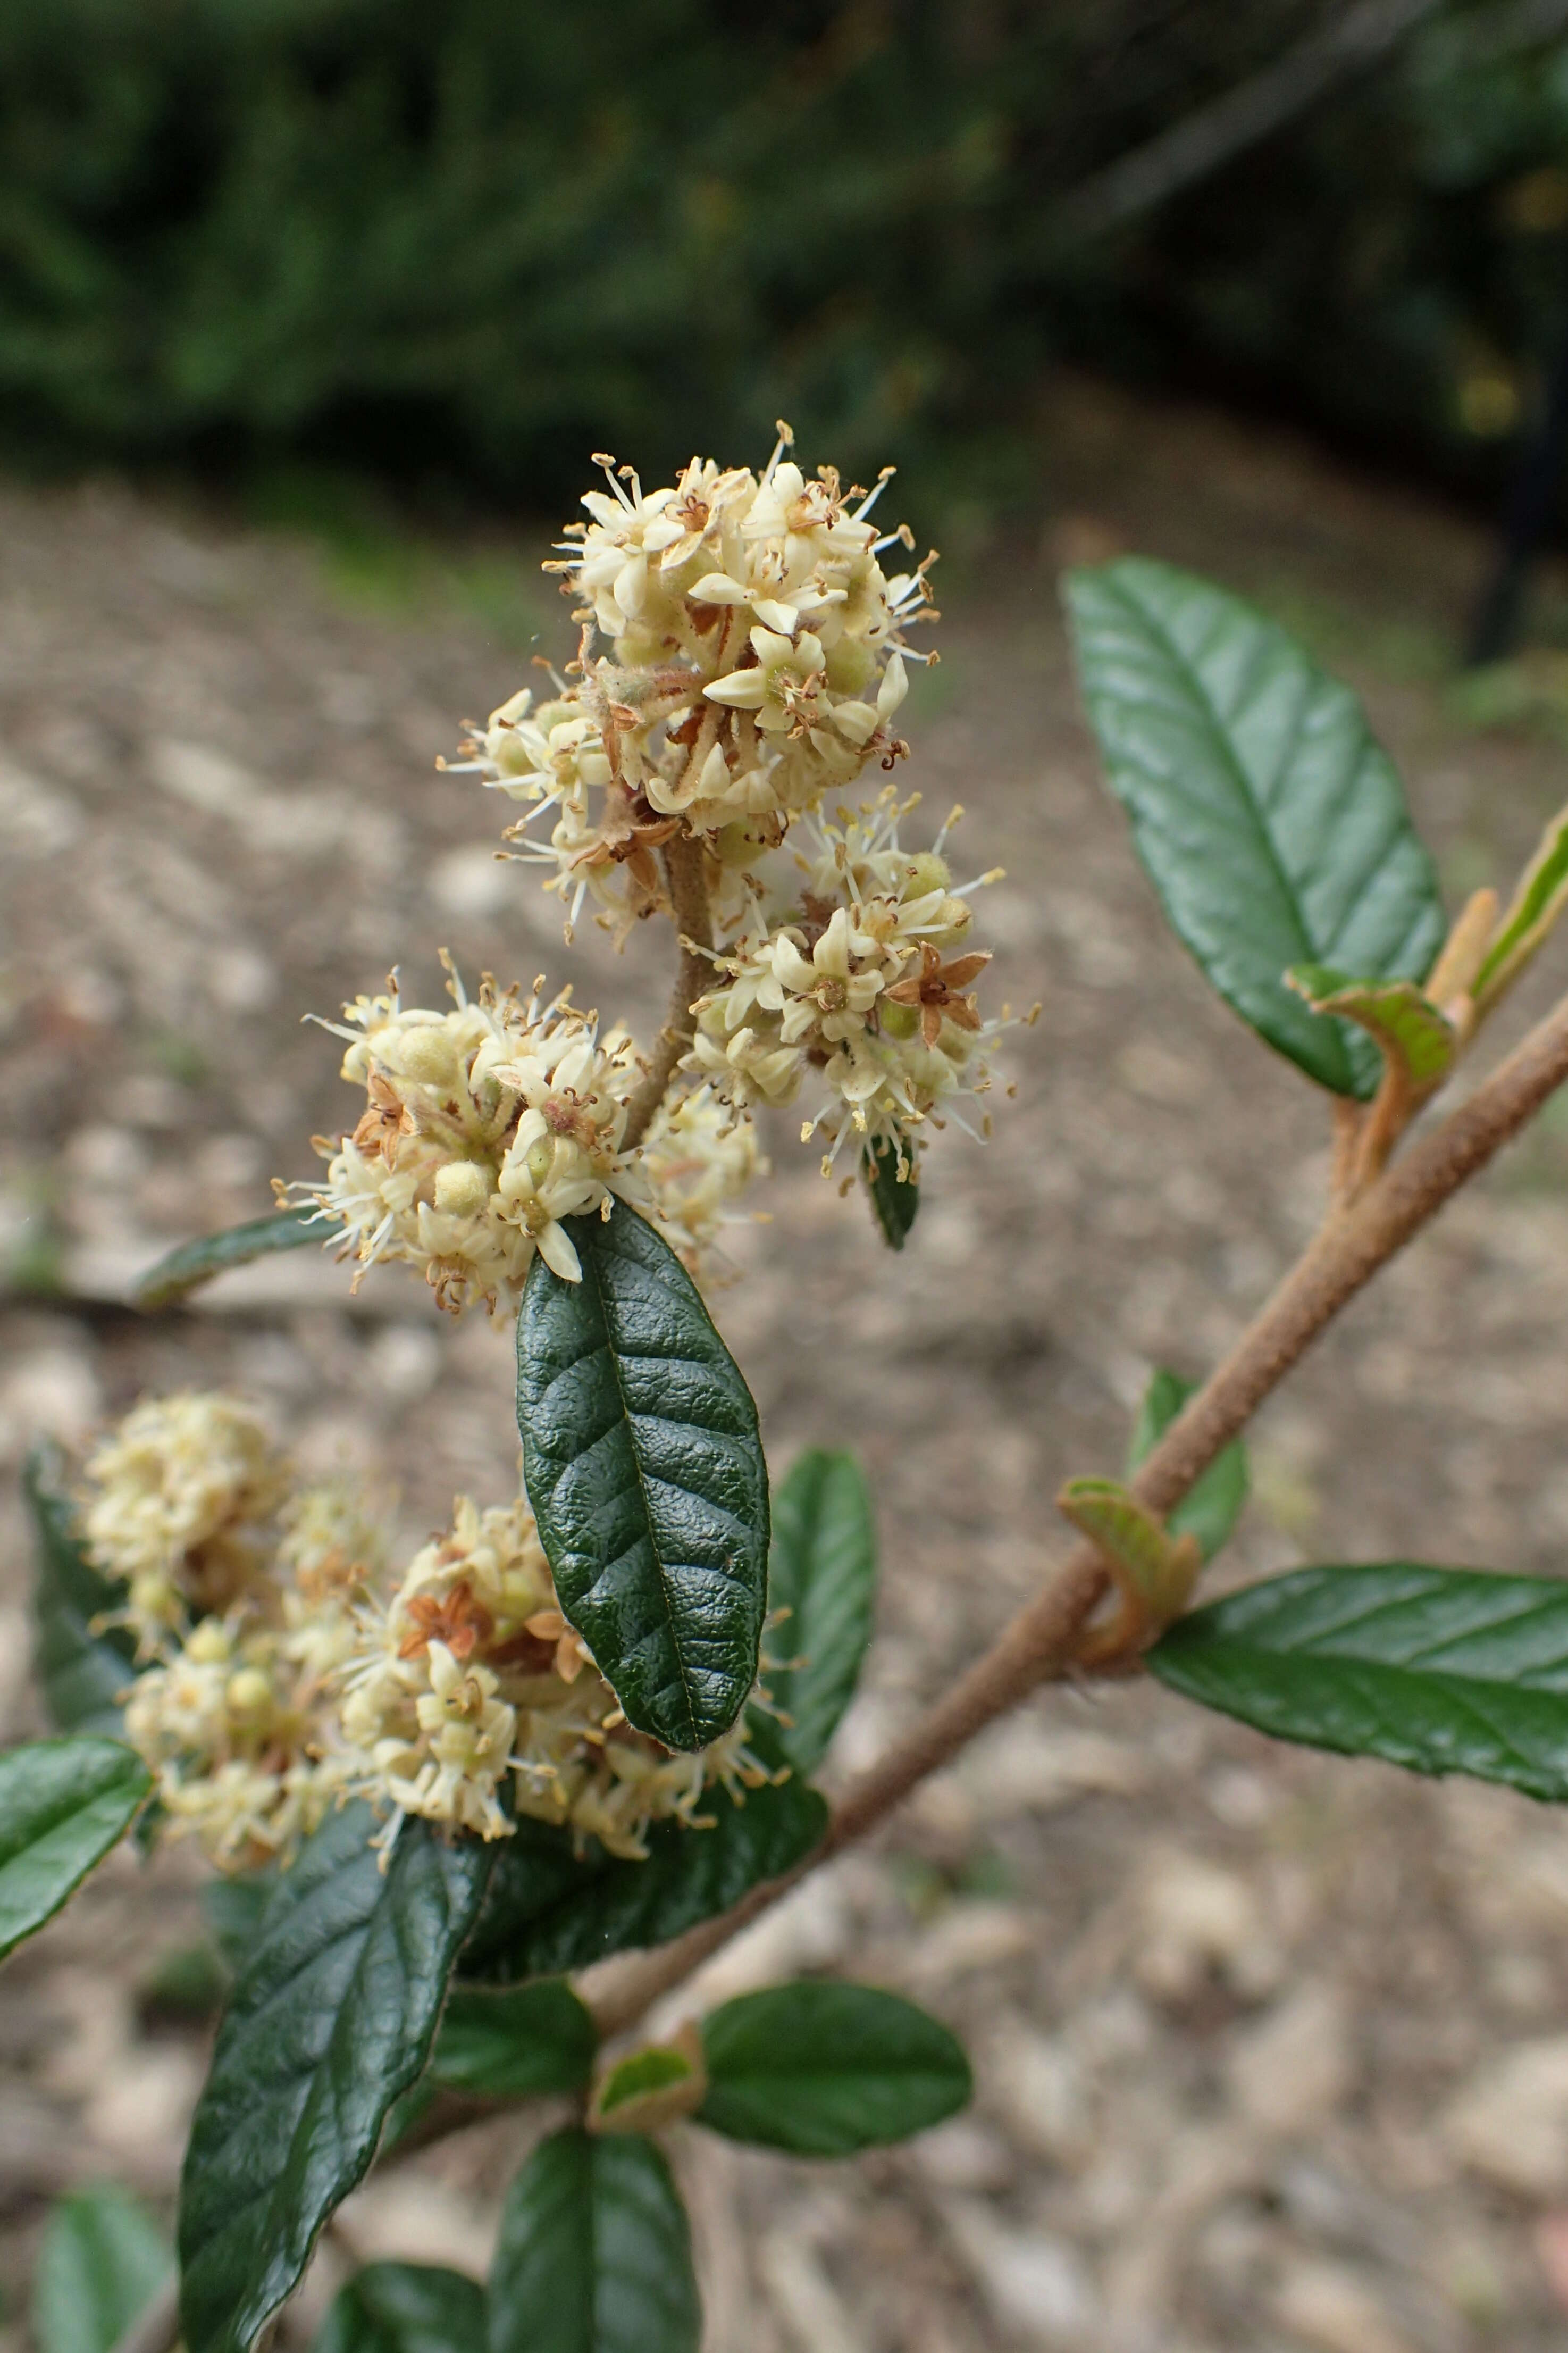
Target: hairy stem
[
  {"x": 683, "y": 860},
  {"x": 1041, "y": 1643}
]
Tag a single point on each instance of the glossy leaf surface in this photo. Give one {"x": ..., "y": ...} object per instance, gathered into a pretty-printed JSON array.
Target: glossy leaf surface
[
  {"x": 63, "y": 1804},
  {"x": 824, "y": 2069},
  {"x": 193, "y": 1264},
  {"x": 332, "y": 2018},
  {"x": 646, "y": 1473},
  {"x": 1440, "y": 1669},
  {"x": 100, "y": 2262},
  {"x": 824, "y": 1572},
  {"x": 406, "y": 2308},
  {"x": 513, "y": 2046},
  {"x": 1212, "y": 1505},
  {"x": 594, "y": 2253},
  {"x": 1271, "y": 823},
  {"x": 550, "y": 1909},
  {"x": 82, "y": 1667}
]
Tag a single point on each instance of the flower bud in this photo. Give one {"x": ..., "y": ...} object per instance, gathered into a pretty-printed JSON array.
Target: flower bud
[
  {"x": 462, "y": 1188},
  {"x": 210, "y": 1644},
  {"x": 900, "y": 1021},
  {"x": 247, "y": 1693},
  {"x": 427, "y": 1055}
]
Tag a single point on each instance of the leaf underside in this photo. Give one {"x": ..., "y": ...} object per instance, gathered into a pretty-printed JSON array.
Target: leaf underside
[
  {"x": 824, "y": 2069},
  {"x": 1401, "y": 1022},
  {"x": 193, "y": 1264},
  {"x": 1271, "y": 823},
  {"x": 81, "y": 1673},
  {"x": 1439, "y": 1670},
  {"x": 646, "y": 1473},
  {"x": 63, "y": 1804},
  {"x": 331, "y": 2020},
  {"x": 823, "y": 1571},
  {"x": 550, "y": 1909},
  {"x": 594, "y": 2254}
]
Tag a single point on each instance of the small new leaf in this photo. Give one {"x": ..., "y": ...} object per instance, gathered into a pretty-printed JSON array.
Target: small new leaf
[
  {"x": 101, "y": 2260},
  {"x": 332, "y": 2020},
  {"x": 594, "y": 2253},
  {"x": 1532, "y": 915},
  {"x": 517, "y": 2044},
  {"x": 63, "y": 1804},
  {"x": 1155, "y": 1566},
  {"x": 1413, "y": 1035},
  {"x": 551, "y": 1907},
  {"x": 83, "y": 1664},
  {"x": 1439, "y": 1670},
  {"x": 824, "y": 2069},
  {"x": 1212, "y": 1505},
  {"x": 406, "y": 2308},
  {"x": 646, "y": 1473},
  {"x": 652, "y": 2088},
  {"x": 823, "y": 1573},
  {"x": 1270, "y": 821},
  {"x": 895, "y": 1199},
  {"x": 187, "y": 1269}
]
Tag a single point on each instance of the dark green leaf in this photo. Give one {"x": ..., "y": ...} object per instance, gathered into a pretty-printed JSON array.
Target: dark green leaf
[
  {"x": 550, "y": 1908},
  {"x": 594, "y": 2253},
  {"x": 824, "y": 2069},
  {"x": 1442, "y": 1669},
  {"x": 63, "y": 1804},
  {"x": 646, "y": 1473},
  {"x": 82, "y": 1672},
  {"x": 510, "y": 2046},
  {"x": 233, "y": 1908},
  {"x": 332, "y": 2018},
  {"x": 406, "y": 2308},
  {"x": 1271, "y": 823},
  {"x": 824, "y": 1572},
  {"x": 1212, "y": 1505},
  {"x": 895, "y": 1202},
  {"x": 193, "y": 1264},
  {"x": 101, "y": 2260}
]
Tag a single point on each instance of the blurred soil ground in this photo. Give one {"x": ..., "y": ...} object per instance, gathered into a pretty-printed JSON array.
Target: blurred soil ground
[{"x": 1272, "y": 2049}]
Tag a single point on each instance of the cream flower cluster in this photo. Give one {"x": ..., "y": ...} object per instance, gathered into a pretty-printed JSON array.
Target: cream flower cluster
[
  {"x": 753, "y": 659},
  {"x": 459, "y": 1694},
  {"x": 700, "y": 1155},
  {"x": 484, "y": 1129},
  {"x": 859, "y": 979}
]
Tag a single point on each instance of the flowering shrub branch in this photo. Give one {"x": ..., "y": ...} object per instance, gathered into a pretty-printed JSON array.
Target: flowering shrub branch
[{"x": 575, "y": 1731}]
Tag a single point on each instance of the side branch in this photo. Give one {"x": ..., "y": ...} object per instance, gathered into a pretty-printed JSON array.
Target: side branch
[
  {"x": 1041, "y": 1643},
  {"x": 683, "y": 860}
]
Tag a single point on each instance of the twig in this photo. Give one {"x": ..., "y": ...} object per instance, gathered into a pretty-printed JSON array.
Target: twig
[
  {"x": 683, "y": 858},
  {"x": 157, "y": 2326},
  {"x": 1242, "y": 117},
  {"x": 1040, "y": 1643}
]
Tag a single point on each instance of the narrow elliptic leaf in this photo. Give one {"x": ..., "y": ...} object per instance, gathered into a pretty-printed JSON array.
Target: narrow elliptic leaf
[
  {"x": 1212, "y": 1505},
  {"x": 895, "y": 1203},
  {"x": 550, "y": 1908},
  {"x": 825, "y": 2069},
  {"x": 63, "y": 1804},
  {"x": 594, "y": 2253},
  {"x": 332, "y": 2018},
  {"x": 1441, "y": 1670},
  {"x": 406, "y": 2308},
  {"x": 513, "y": 2045},
  {"x": 193, "y": 1264},
  {"x": 83, "y": 1665},
  {"x": 100, "y": 2262},
  {"x": 824, "y": 1572},
  {"x": 1271, "y": 822},
  {"x": 1541, "y": 895},
  {"x": 1400, "y": 1020},
  {"x": 646, "y": 1475}
]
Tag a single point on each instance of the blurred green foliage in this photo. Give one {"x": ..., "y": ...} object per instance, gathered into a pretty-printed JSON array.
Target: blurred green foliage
[{"x": 466, "y": 242}]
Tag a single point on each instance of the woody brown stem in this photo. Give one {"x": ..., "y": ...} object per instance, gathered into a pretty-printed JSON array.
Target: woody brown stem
[
  {"x": 1042, "y": 1641},
  {"x": 683, "y": 863}
]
